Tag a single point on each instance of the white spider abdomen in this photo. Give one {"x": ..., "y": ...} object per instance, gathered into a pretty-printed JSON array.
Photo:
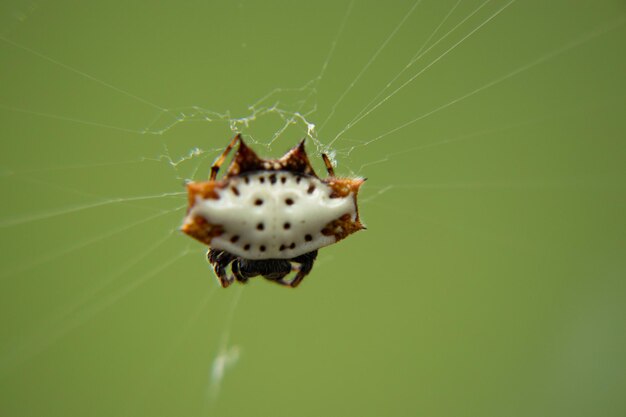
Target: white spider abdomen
[{"x": 273, "y": 215}]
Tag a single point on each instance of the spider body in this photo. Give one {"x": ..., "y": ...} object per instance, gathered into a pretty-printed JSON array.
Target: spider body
[{"x": 269, "y": 217}]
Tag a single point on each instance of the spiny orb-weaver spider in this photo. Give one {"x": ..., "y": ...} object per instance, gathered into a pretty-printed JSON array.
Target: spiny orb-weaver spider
[{"x": 269, "y": 217}]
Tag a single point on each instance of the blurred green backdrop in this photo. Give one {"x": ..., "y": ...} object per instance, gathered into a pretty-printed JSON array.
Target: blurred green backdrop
[{"x": 490, "y": 281}]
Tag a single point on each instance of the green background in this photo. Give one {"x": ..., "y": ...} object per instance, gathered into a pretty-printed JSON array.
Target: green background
[{"x": 490, "y": 281}]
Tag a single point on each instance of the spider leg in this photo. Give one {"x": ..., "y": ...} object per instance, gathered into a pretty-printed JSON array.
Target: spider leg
[
  {"x": 329, "y": 165},
  {"x": 306, "y": 262},
  {"x": 271, "y": 269},
  {"x": 294, "y": 282},
  {"x": 220, "y": 160},
  {"x": 238, "y": 273},
  {"x": 220, "y": 260},
  {"x": 279, "y": 278}
]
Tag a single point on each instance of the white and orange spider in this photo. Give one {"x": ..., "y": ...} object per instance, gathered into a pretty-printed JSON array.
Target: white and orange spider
[{"x": 269, "y": 217}]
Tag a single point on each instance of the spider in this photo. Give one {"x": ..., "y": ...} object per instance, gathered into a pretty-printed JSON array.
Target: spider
[{"x": 269, "y": 217}]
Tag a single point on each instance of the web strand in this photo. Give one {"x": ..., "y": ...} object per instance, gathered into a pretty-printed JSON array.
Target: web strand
[
  {"x": 370, "y": 62},
  {"x": 53, "y": 254},
  {"x": 394, "y": 92},
  {"x": 10, "y": 222},
  {"x": 70, "y": 119},
  {"x": 419, "y": 54},
  {"x": 81, "y": 73},
  {"x": 550, "y": 55},
  {"x": 17, "y": 356}
]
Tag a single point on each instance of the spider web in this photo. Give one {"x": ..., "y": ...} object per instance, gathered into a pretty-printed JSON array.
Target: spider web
[{"x": 97, "y": 147}]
